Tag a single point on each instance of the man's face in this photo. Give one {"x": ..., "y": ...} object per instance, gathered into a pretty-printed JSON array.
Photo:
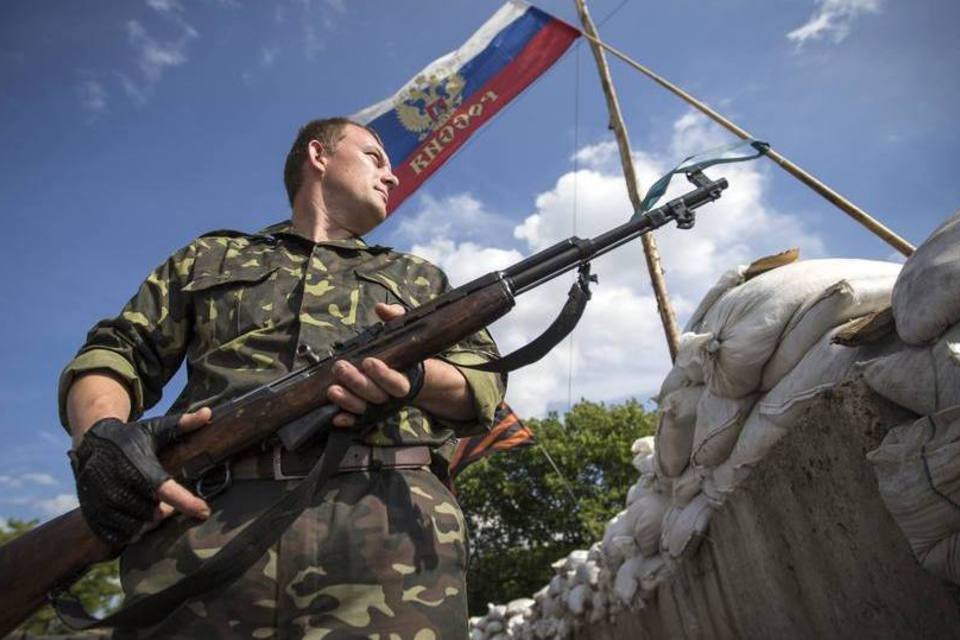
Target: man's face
[{"x": 357, "y": 181}]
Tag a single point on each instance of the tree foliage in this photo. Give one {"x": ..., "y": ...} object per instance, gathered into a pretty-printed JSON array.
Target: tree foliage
[
  {"x": 520, "y": 512},
  {"x": 98, "y": 590}
]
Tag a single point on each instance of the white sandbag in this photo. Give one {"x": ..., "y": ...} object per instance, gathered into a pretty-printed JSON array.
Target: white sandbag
[
  {"x": 646, "y": 531},
  {"x": 922, "y": 379},
  {"x": 551, "y": 607},
  {"x": 686, "y": 486},
  {"x": 718, "y": 426},
  {"x": 476, "y": 634},
  {"x": 742, "y": 330},
  {"x": 684, "y": 526},
  {"x": 645, "y": 484},
  {"x": 618, "y": 541},
  {"x": 518, "y": 607},
  {"x": 728, "y": 280},
  {"x": 643, "y": 446},
  {"x": 652, "y": 573},
  {"x": 674, "y": 439},
  {"x": 676, "y": 379},
  {"x": 578, "y": 599},
  {"x": 598, "y": 608},
  {"x": 923, "y": 515},
  {"x": 628, "y": 579},
  {"x": 926, "y": 297},
  {"x": 721, "y": 481},
  {"x": 587, "y": 573},
  {"x": 943, "y": 559},
  {"x": 825, "y": 365},
  {"x": 493, "y": 627},
  {"x": 556, "y": 585},
  {"x": 690, "y": 356},
  {"x": 843, "y": 301}
]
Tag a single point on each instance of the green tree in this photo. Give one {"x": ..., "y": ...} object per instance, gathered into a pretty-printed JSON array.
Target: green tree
[
  {"x": 520, "y": 512},
  {"x": 98, "y": 590}
]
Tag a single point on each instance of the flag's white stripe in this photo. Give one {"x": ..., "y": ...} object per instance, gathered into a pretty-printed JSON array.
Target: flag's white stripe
[{"x": 452, "y": 61}]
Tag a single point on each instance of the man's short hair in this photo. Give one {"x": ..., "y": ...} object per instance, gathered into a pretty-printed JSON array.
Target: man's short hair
[{"x": 329, "y": 132}]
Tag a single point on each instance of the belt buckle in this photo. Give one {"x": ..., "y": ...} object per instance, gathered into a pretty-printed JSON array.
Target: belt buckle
[{"x": 278, "y": 473}]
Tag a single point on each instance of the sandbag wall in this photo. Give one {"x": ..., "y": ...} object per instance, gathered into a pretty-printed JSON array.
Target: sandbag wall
[{"x": 758, "y": 350}]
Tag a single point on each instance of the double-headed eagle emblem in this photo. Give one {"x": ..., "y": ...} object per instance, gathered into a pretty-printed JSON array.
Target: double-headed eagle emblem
[{"x": 430, "y": 102}]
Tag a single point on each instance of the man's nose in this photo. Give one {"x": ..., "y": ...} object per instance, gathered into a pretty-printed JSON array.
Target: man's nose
[{"x": 390, "y": 179}]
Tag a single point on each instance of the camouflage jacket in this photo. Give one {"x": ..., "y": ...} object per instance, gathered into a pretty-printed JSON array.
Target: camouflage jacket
[{"x": 239, "y": 305}]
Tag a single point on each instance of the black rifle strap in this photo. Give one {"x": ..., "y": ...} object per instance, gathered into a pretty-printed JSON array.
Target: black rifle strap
[
  {"x": 226, "y": 565},
  {"x": 563, "y": 324}
]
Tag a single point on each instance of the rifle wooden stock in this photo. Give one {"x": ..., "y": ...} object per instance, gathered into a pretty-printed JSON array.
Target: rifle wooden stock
[
  {"x": 35, "y": 563},
  {"x": 68, "y": 547}
]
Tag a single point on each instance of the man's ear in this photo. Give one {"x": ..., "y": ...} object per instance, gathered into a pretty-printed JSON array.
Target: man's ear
[{"x": 317, "y": 155}]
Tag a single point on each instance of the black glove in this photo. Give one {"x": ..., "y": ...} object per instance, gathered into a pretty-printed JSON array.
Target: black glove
[{"x": 118, "y": 474}]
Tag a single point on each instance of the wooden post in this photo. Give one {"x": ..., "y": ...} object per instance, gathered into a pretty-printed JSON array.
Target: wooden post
[
  {"x": 852, "y": 210},
  {"x": 667, "y": 316}
]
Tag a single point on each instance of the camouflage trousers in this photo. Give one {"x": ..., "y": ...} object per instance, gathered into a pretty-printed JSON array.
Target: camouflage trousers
[{"x": 380, "y": 555}]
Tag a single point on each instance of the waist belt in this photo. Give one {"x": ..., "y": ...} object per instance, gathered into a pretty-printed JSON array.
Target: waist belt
[{"x": 280, "y": 464}]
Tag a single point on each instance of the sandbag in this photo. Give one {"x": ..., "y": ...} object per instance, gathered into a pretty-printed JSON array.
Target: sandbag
[
  {"x": 628, "y": 579},
  {"x": 728, "y": 280},
  {"x": 717, "y": 427},
  {"x": 674, "y": 437},
  {"x": 684, "y": 526},
  {"x": 924, "y": 506},
  {"x": 843, "y": 301},
  {"x": 676, "y": 379},
  {"x": 646, "y": 529},
  {"x": 774, "y": 413},
  {"x": 685, "y": 486},
  {"x": 923, "y": 379},
  {"x": 618, "y": 540},
  {"x": 742, "y": 330},
  {"x": 926, "y": 297}
]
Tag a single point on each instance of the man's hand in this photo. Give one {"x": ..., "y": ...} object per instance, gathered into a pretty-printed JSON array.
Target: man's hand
[
  {"x": 120, "y": 482},
  {"x": 373, "y": 382}
]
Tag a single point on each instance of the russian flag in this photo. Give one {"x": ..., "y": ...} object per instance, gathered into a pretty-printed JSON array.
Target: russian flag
[{"x": 424, "y": 123}]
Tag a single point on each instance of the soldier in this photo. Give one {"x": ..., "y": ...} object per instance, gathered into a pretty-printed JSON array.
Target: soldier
[{"x": 381, "y": 552}]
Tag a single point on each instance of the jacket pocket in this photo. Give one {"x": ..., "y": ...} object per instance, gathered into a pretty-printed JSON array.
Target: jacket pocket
[{"x": 231, "y": 303}]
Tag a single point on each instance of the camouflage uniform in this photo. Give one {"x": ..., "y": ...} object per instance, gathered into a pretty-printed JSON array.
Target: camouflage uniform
[{"x": 382, "y": 553}]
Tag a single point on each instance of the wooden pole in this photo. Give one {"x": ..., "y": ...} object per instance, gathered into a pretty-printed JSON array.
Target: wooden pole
[
  {"x": 852, "y": 210},
  {"x": 667, "y": 316}
]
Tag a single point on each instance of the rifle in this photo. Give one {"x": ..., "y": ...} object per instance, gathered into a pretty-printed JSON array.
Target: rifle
[{"x": 294, "y": 408}]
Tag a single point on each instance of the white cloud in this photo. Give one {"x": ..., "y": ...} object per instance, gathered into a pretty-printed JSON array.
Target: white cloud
[
  {"x": 57, "y": 505},
  {"x": 268, "y": 55},
  {"x": 154, "y": 57},
  {"x": 40, "y": 478},
  {"x": 164, "y": 6},
  {"x": 619, "y": 349},
  {"x": 25, "y": 479},
  {"x": 461, "y": 216},
  {"x": 832, "y": 20},
  {"x": 93, "y": 96}
]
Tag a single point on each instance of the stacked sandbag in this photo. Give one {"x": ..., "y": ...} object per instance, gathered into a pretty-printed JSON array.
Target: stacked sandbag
[
  {"x": 918, "y": 471},
  {"x": 794, "y": 304},
  {"x": 746, "y": 369},
  {"x": 757, "y": 351},
  {"x": 926, "y": 298},
  {"x": 502, "y": 622}
]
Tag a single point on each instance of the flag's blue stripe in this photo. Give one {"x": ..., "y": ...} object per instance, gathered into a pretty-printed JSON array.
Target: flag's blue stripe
[{"x": 507, "y": 45}]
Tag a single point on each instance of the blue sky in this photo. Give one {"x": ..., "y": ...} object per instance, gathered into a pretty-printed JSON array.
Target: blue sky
[{"x": 129, "y": 128}]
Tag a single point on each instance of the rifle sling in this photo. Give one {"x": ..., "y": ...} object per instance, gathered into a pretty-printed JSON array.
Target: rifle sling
[
  {"x": 226, "y": 565},
  {"x": 560, "y": 328}
]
